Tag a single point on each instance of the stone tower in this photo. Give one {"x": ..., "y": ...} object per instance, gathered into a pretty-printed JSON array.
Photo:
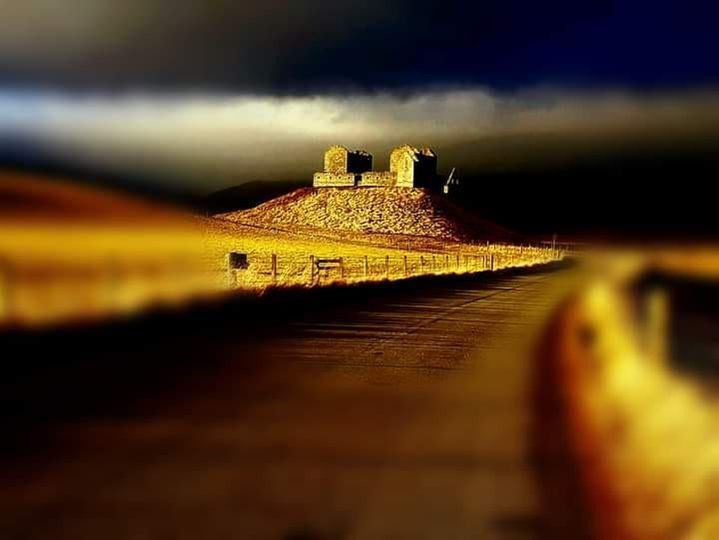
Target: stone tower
[
  {"x": 414, "y": 167},
  {"x": 342, "y": 167}
]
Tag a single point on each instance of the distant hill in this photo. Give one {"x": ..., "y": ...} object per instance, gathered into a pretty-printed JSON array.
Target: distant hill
[
  {"x": 245, "y": 196},
  {"x": 401, "y": 211}
]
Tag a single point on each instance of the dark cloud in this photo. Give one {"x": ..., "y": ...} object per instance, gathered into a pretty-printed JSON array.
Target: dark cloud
[
  {"x": 246, "y": 45},
  {"x": 276, "y": 46},
  {"x": 206, "y": 142}
]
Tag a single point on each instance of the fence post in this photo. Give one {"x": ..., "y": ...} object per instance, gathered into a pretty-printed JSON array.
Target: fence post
[
  {"x": 342, "y": 268},
  {"x": 274, "y": 268},
  {"x": 231, "y": 273},
  {"x": 312, "y": 269},
  {"x": 406, "y": 271},
  {"x": 491, "y": 262},
  {"x": 446, "y": 263},
  {"x": 421, "y": 263},
  {"x": 386, "y": 266},
  {"x": 366, "y": 266}
]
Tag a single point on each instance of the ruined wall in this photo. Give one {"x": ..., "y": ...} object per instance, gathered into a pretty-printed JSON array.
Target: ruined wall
[
  {"x": 409, "y": 167},
  {"x": 378, "y": 179},
  {"x": 328, "y": 179},
  {"x": 414, "y": 167},
  {"x": 336, "y": 160},
  {"x": 401, "y": 163}
]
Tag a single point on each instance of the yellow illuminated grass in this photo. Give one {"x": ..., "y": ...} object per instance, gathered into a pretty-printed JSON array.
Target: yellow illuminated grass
[{"x": 56, "y": 271}]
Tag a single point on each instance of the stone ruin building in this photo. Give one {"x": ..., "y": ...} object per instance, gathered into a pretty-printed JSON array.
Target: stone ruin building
[
  {"x": 414, "y": 167},
  {"x": 409, "y": 167},
  {"x": 343, "y": 167}
]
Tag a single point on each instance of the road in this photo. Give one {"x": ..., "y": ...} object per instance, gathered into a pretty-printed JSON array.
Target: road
[{"x": 402, "y": 412}]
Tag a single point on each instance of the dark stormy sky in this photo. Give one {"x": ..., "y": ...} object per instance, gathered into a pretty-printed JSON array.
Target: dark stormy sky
[
  {"x": 203, "y": 95},
  {"x": 307, "y": 46}
]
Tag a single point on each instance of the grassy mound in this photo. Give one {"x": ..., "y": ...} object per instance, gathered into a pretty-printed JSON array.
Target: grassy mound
[{"x": 415, "y": 212}]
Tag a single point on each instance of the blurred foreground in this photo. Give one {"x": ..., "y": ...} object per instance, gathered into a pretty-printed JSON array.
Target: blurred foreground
[
  {"x": 634, "y": 361},
  {"x": 389, "y": 411},
  {"x": 482, "y": 398}
]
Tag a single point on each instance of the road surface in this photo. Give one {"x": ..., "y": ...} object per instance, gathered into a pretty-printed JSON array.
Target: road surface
[{"x": 403, "y": 412}]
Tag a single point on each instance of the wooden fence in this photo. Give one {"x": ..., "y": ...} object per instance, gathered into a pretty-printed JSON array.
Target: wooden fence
[
  {"x": 42, "y": 292},
  {"x": 268, "y": 269}
]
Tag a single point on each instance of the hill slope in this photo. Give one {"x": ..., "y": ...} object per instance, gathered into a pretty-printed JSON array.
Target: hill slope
[
  {"x": 416, "y": 212},
  {"x": 36, "y": 197}
]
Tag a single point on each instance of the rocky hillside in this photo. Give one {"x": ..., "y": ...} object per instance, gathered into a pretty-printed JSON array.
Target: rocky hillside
[{"x": 375, "y": 210}]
